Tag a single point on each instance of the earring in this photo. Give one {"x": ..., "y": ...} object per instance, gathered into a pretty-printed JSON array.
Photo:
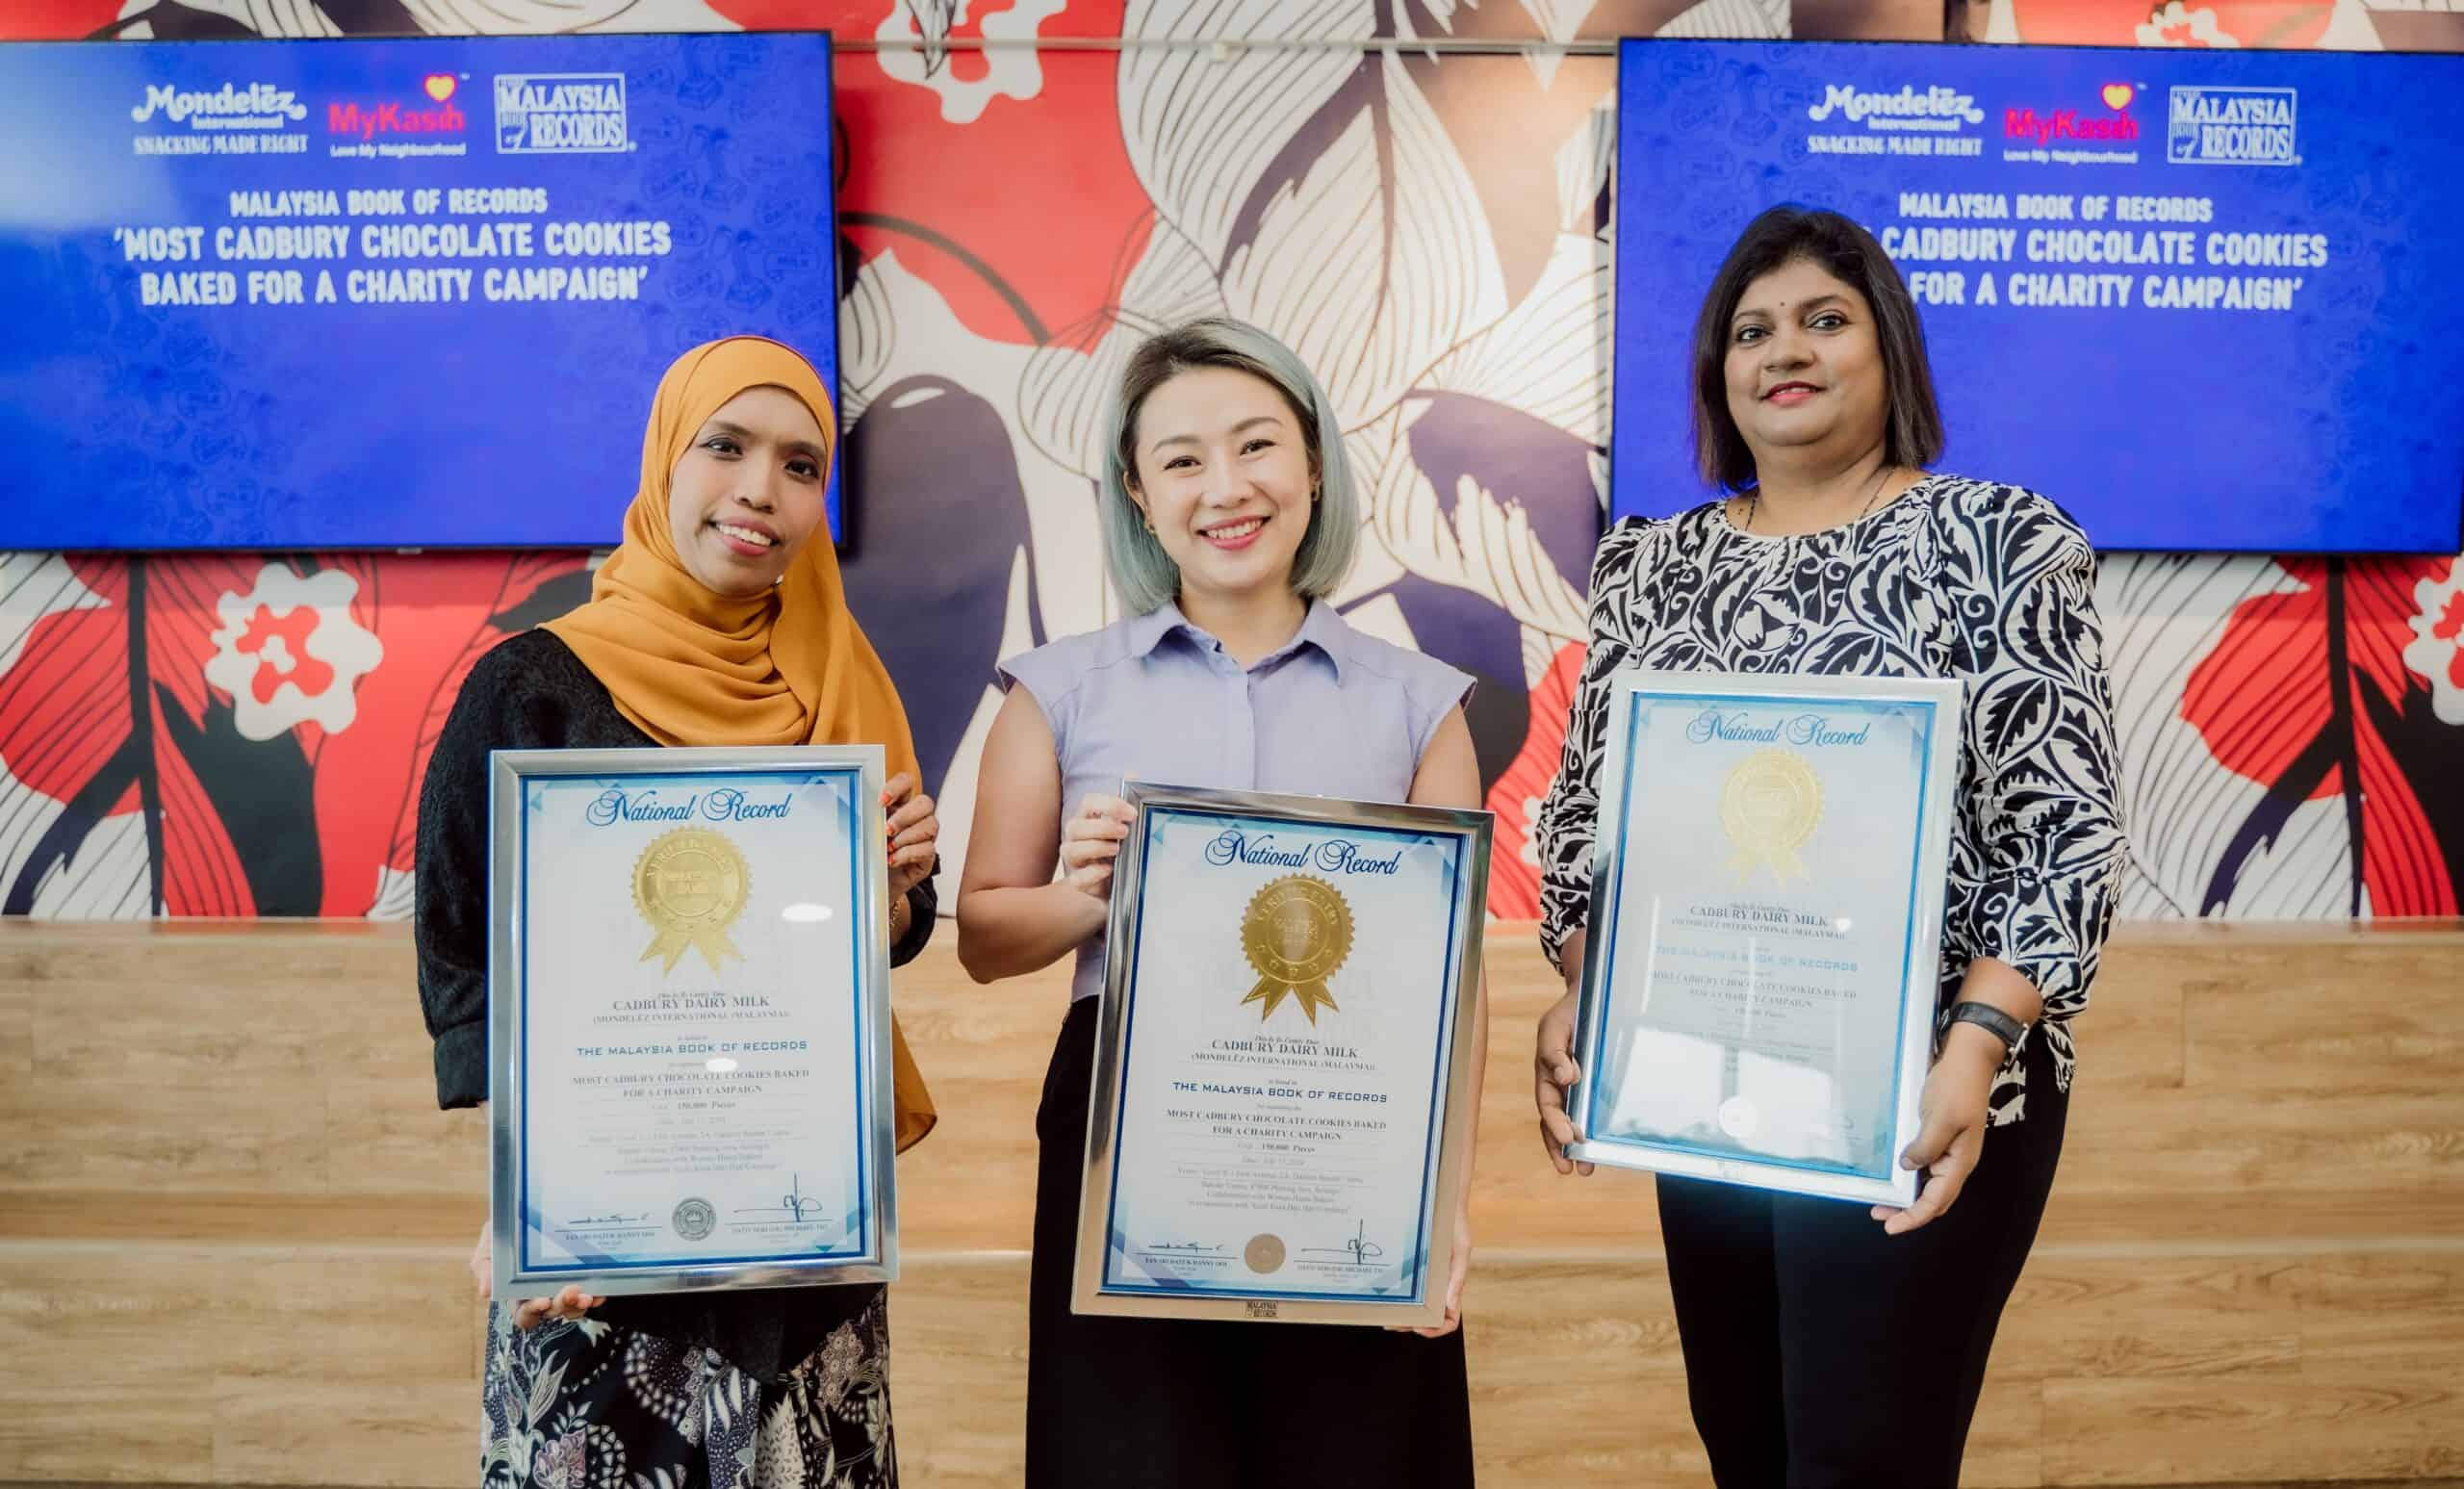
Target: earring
[{"x": 1151, "y": 525}]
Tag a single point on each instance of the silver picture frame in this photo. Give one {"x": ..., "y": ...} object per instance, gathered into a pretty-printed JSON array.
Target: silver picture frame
[
  {"x": 699, "y": 783},
  {"x": 1142, "y": 995},
  {"x": 1626, "y": 1055}
]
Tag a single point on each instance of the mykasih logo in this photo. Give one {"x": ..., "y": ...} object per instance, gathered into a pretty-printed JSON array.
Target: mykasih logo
[
  {"x": 2231, "y": 126},
  {"x": 1936, "y": 108},
  {"x": 257, "y": 106},
  {"x": 2068, "y": 124},
  {"x": 560, "y": 113},
  {"x": 438, "y": 116}
]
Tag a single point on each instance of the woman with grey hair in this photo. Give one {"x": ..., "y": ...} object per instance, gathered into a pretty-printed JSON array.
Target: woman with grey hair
[{"x": 1229, "y": 516}]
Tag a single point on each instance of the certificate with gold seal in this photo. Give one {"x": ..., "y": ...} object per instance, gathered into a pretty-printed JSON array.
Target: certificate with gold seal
[
  {"x": 1766, "y": 924},
  {"x": 690, "y": 1019},
  {"x": 1280, "y": 1102}
]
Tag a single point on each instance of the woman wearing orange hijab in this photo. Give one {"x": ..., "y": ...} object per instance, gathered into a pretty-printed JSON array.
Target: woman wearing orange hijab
[{"x": 720, "y": 621}]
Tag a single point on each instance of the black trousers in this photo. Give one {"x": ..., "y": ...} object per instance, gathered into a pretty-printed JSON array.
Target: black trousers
[
  {"x": 1174, "y": 1403},
  {"x": 1821, "y": 1353}
]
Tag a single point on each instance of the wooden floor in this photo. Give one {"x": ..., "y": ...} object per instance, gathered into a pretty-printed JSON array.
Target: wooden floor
[{"x": 232, "y": 1226}]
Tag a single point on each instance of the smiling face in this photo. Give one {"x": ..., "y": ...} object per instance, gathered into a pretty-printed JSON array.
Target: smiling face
[
  {"x": 747, "y": 493},
  {"x": 1804, "y": 367},
  {"x": 1223, "y": 472}
]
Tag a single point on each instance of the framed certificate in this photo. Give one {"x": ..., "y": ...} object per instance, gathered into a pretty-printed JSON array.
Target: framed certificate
[
  {"x": 1766, "y": 922},
  {"x": 689, "y": 1037},
  {"x": 1281, "y": 1100}
]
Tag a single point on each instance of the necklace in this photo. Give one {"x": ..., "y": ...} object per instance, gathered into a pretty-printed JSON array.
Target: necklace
[{"x": 1753, "y": 500}]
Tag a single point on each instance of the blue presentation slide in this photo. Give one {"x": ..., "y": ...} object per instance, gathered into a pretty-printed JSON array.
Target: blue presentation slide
[
  {"x": 387, "y": 294},
  {"x": 2200, "y": 298}
]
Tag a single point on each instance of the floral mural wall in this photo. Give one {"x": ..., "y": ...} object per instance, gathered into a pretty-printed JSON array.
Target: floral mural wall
[{"x": 1415, "y": 194}]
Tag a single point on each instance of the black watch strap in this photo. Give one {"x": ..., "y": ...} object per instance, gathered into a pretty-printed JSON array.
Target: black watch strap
[{"x": 1992, "y": 1020}]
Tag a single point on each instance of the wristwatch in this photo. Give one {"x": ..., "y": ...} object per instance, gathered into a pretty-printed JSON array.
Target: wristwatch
[{"x": 1992, "y": 1020}]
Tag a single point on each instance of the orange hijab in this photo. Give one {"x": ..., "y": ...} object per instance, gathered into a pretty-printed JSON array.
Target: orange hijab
[{"x": 692, "y": 667}]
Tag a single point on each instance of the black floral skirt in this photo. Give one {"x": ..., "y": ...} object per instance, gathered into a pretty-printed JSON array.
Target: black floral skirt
[{"x": 594, "y": 1405}]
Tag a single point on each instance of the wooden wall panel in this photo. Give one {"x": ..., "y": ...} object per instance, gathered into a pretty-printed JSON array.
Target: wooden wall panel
[
  {"x": 2362, "y": 1423},
  {"x": 232, "y": 1226}
]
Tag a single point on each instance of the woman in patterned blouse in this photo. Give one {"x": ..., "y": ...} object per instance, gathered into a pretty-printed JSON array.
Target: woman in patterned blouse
[{"x": 1825, "y": 1343}]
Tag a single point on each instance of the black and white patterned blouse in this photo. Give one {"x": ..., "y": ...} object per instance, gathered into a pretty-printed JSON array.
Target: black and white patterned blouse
[{"x": 1956, "y": 579}]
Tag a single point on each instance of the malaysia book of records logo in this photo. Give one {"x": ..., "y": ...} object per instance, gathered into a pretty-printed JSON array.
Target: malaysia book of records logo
[
  {"x": 2232, "y": 126},
  {"x": 561, "y": 114}
]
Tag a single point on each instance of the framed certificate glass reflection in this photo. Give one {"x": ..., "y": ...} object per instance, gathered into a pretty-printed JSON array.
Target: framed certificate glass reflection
[
  {"x": 1765, "y": 936},
  {"x": 1280, "y": 1103},
  {"x": 690, "y": 1019}
]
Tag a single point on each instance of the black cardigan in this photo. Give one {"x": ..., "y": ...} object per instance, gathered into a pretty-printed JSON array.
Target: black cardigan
[{"x": 532, "y": 693}]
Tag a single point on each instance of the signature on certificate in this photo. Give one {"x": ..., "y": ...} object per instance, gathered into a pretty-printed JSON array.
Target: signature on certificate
[
  {"x": 1360, "y": 1250},
  {"x": 800, "y": 1206}
]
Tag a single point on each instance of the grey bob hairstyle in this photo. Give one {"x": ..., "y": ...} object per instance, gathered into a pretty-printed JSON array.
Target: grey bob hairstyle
[{"x": 1142, "y": 571}]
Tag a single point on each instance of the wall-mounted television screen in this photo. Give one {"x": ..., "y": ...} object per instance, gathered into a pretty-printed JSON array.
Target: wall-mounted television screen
[
  {"x": 2200, "y": 298},
  {"x": 387, "y": 294}
]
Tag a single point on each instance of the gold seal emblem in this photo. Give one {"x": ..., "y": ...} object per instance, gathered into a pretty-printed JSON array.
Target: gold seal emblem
[
  {"x": 690, "y": 885},
  {"x": 1769, "y": 804},
  {"x": 1295, "y": 933},
  {"x": 1263, "y": 1254}
]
